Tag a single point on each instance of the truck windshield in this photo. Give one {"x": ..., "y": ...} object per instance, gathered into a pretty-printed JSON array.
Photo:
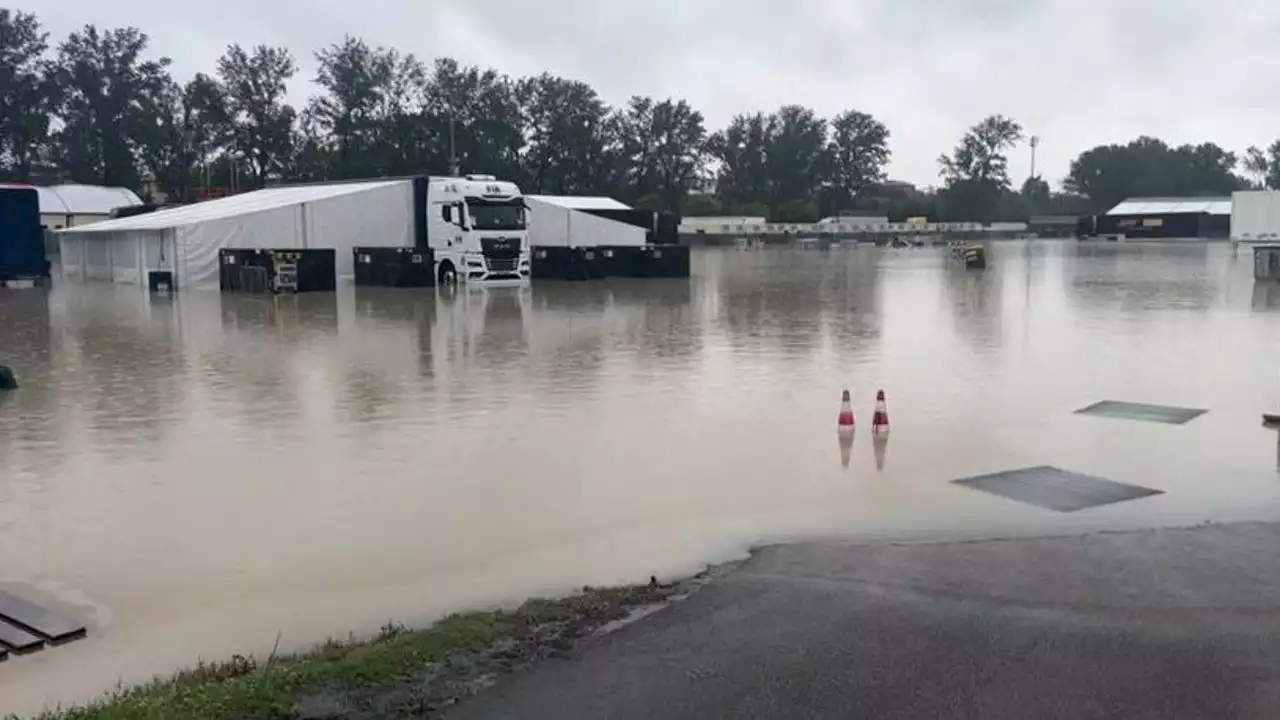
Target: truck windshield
[{"x": 496, "y": 215}]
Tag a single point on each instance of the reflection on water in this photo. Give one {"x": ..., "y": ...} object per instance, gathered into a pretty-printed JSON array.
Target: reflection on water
[{"x": 200, "y": 473}]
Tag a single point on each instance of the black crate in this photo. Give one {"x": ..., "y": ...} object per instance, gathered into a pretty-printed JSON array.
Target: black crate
[
  {"x": 566, "y": 263},
  {"x": 277, "y": 270},
  {"x": 648, "y": 261},
  {"x": 161, "y": 281},
  {"x": 394, "y": 267}
]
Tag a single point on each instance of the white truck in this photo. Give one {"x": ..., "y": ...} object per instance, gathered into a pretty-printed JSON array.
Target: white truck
[{"x": 477, "y": 228}]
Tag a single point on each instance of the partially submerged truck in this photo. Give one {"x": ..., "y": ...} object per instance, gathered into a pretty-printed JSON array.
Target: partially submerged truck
[{"x": 477, "y": 229}]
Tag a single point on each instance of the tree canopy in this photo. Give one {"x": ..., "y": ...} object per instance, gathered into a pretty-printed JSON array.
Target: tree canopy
[{"x": 99, "y": 107}]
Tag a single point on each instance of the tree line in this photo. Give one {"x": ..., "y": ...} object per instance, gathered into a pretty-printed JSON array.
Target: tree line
[{"x": 99, "y": 108}]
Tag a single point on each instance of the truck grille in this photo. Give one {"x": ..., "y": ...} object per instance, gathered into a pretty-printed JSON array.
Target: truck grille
[{"x": 502, "y": 264}]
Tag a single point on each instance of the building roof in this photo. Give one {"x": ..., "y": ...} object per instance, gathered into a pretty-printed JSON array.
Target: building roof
[
  {"x": 1169, "y": 206},
  {"x": 231, "y": 206},
  {"x": 574, "y": 202},
  {"x": 80, "y": 199}
]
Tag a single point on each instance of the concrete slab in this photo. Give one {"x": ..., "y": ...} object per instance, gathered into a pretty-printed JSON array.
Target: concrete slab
[
  {"x": 18, "y": 640},
  {"x": 1168, "y": 414},
  {"x": 52, "y": 626},
  {"x": 1159, "y": 624},
  {"x": 1055, "y": 489}
]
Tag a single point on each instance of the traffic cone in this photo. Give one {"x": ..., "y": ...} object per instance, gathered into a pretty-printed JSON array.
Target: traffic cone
[
  {"x": 880, "y": 421},
  {"x": 845, "y": 422},
  {"x": 846, "y": 447}
]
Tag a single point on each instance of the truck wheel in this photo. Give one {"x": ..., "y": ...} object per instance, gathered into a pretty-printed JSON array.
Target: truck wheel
[{"x": 447, "y": 275}]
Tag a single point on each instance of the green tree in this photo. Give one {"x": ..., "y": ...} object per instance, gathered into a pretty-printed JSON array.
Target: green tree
[
  {"x": 180, "y": 129},
  {"x": 354, "y": 78},
  {"x": 571, "y": 141},
  {"x": 1148, "y": 167},
  {"x": 1035, "y": 194},
  {"x": 699, "y": 205},
  {"x": 24, "y": 93},
  {"x": 796, "y": 161},
  {"x": 977, "y": 171},
  {"x": 1263, "y": 165},
  {"x": 256, "y": 83},
  {"x": 779, "y": 160},
  {"x": 103, "y": 84},
  {"x": 487, "y": 124},
  {"x": 858, "y": 151},
  {"x": 661, "y": 146},
  {"x": 740, "y": 148}
]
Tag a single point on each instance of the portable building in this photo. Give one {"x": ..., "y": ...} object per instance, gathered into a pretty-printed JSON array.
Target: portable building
[
  {"x": 64, "y": 206},
  {"x": 1168, "y": 218},
  {"x": 187, "y": 239}
]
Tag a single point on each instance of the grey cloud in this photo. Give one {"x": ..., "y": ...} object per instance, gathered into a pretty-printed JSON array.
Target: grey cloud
[{"x": 1075, "y": 72}]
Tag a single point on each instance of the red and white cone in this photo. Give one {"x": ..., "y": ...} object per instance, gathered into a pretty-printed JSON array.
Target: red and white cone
[
  {"x": 880, "y": 421},
  {"x": 844, "y": 423}
]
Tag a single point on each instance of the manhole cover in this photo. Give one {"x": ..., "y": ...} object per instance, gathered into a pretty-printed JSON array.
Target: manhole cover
[
  {"x": 1055, "y": 489},
  {"x": 1140, "y": 411}
]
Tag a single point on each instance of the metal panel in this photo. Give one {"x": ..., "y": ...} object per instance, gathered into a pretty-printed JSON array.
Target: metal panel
[
  {"x": 17, "y": 639},
  {"x": 35, "y": 619},
  {"x": 1055, "y": 489},
  {"x": 1167, "y": 414}
]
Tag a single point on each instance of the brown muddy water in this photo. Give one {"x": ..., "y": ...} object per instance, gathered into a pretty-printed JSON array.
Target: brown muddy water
[{"x": 197, "y": 476}]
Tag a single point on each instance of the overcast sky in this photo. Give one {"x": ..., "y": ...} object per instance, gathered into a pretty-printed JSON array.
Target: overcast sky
[{"x": 1075, "y": 72}]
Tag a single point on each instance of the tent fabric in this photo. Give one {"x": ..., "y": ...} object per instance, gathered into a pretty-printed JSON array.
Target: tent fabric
[
  {"x": 1172, "y": 206},
  {"x": 188, "y": 239},
  {"x": 557, "y": 224},
  {"x": 580, "y": 203},
  {"x": 81, "y": 199}
]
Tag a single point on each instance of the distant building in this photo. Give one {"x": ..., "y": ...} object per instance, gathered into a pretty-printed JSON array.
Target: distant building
[
  {"x": 1205, "y": 217},
  {"x": 719, "y": 224},
  {"x": 854, "y": 220}
]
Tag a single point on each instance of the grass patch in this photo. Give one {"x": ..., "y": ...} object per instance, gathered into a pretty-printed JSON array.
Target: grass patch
[{"x": 400, "y": 672}]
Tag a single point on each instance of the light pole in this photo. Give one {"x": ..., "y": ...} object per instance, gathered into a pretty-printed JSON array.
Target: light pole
[{"x": 1035, "y": 143}]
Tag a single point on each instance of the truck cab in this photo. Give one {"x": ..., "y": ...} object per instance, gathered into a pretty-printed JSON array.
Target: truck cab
[{"x": 477, "y": 229}]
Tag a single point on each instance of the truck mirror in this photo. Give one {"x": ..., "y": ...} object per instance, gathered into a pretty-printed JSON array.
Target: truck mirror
[
  {"x": 462, "y": 217},
  {"x": 446, "y": 212}
]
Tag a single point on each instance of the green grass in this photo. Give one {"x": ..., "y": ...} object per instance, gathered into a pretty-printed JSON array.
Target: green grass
[{"x": 399, "y": 671}]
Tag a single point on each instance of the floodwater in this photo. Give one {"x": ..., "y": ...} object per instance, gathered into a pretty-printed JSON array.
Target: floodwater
[{"x": 199, "y": 476}]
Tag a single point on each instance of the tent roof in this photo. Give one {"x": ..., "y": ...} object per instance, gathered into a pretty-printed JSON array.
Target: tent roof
[
  {"x": 574, "y": 202},
  {"x": 80, "y": 199},
  {"x": 1169, "y": 206},
  {"x": 232, "y": 206}
]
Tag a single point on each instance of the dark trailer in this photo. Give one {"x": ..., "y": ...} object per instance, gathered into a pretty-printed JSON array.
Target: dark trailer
[
  {"x": 21, "y": 237},
  {"x": 1204, "y": 217}
]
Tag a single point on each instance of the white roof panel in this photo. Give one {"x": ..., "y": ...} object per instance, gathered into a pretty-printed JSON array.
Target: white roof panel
[
  {"x": 81, "y": 199},
  {"x": 1166, "y": 206},
  {"x": 232, "y": 206},
  {"x": 574, "y": 202}
]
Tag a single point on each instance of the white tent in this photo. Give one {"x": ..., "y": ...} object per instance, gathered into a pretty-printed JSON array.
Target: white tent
[
  {"x": 567, "y": 221},
  {"x": 187, "y": 239},
  {"x": 63, "y": 206}
]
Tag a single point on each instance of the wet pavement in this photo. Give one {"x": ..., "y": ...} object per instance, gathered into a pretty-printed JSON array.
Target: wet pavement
[
  {"x": 1180, "y": 623},
  {"x": 193, "y": 477}
]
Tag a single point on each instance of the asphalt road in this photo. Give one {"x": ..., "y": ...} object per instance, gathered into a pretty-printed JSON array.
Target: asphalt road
[{"x": 1155, "y": 624}]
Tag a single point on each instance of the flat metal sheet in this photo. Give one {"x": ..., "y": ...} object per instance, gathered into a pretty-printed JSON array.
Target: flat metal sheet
[
  {"x": 17, "y": 639},
  {"x": 1167, "y": 414},
  {"x": 1055, "y": 489},
  {"x": 47, "y": 624}
]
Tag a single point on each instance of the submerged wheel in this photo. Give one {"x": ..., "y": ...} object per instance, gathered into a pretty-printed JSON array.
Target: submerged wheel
[{"x": 447, "y": 275}]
